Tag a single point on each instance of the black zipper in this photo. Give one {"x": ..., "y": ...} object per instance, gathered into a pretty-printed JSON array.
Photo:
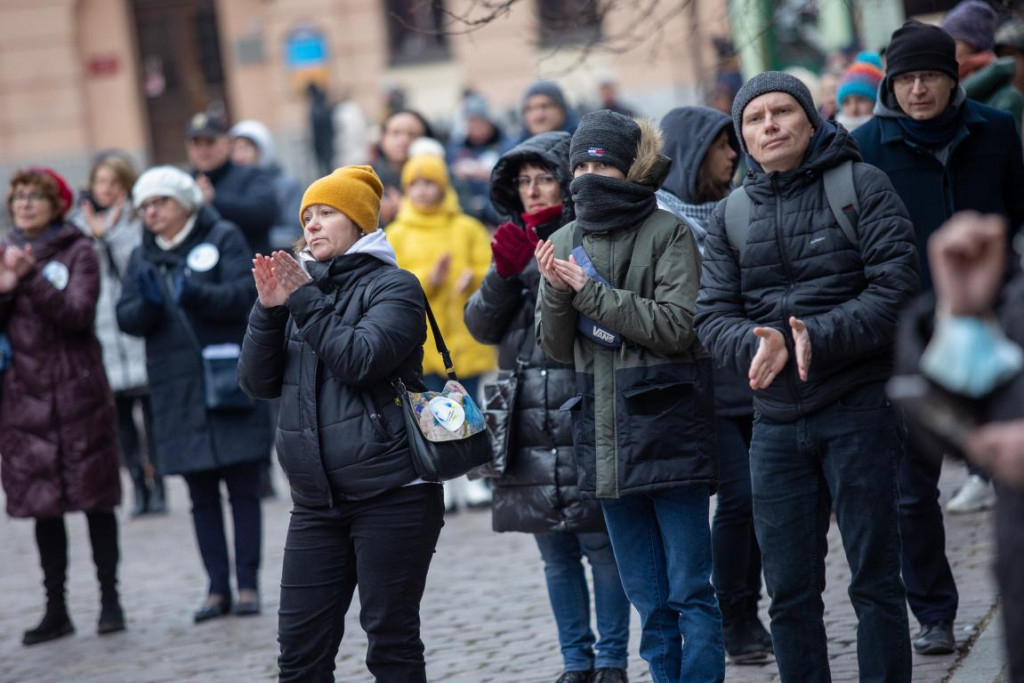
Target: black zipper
[{"x": 790, "y": 370}]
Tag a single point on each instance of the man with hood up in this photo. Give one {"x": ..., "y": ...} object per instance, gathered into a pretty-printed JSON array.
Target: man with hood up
[
  {"x": 809, "y": 315},
  {"x": 616, "y": 300},
  {"x": 702, "y": 145},
  {"x": 944, "y": 153}
]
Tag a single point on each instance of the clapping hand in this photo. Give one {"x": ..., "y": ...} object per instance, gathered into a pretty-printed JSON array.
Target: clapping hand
[
  {"x": 772, "y": 354},
  {"x": 277, "y": 276}
]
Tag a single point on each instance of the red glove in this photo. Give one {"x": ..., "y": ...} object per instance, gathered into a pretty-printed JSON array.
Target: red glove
[{"x": 513, "y": 248}]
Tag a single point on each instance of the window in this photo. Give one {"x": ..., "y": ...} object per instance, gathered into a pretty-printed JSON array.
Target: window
[
  {"x": 416, "y": 31},
  {"x": 564, "y": 22}
]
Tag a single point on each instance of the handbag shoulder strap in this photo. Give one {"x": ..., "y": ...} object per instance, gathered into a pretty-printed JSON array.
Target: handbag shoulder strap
[
  {"x": 442, "y": 348},
  {"x": 182, "y": 318}
]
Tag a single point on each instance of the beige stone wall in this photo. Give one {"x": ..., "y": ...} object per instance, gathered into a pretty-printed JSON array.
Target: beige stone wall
[{"x": 54, "y": 109}]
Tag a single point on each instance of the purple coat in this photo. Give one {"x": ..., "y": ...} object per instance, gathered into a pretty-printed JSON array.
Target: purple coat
[{"x": 58, "y": 439}]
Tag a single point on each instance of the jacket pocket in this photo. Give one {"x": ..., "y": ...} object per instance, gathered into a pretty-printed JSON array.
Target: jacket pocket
[{"x": 666, "y": 414}]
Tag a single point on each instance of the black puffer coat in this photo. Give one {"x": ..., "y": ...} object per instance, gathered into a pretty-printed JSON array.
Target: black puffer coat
[
  {"x": 330, "y": 353},
  {"x": 797, "y": 262},
  {"x": 189, "y": 437},
  {"x": 539, "y": 492}
]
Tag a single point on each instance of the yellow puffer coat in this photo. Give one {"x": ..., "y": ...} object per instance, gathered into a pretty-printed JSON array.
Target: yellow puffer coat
[{"x": 420, "y": 240}]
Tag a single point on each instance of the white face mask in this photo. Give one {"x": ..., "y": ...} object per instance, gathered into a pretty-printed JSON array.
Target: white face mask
[{"x": 852, "y": 123}]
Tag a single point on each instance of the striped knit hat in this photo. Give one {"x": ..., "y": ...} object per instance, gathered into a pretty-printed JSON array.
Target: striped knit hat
[{"x": 861, "y": 78}]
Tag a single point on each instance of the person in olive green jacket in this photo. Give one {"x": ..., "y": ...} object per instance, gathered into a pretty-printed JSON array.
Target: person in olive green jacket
[{"x": 617, "y": 299}]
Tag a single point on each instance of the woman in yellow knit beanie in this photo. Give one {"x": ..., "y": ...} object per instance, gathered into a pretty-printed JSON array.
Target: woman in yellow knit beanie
[
  {"x": 449, "y": 252},
  {"x": 328, "y": 335}
]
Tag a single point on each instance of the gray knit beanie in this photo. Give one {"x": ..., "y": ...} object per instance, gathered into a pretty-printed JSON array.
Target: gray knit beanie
[
  {"x": 548, "y": 89},
  {"x": 974, "y": 22},
  {"x": 605, "y": 136},
  {"x": 772, "y": 81}
]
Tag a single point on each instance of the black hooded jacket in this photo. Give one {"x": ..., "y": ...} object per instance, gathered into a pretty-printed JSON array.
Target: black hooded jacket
[
  {"x": 245, "y": 196},
  {"x": 797, "y": 262},
  {"x": 689, "y": 133},
  {"x": 539, "y": 491}
]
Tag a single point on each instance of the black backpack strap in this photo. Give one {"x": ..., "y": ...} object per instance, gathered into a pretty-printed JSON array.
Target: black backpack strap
[
  {"x": 737, "y": 218},
  {"x": 841, "y": 194}
]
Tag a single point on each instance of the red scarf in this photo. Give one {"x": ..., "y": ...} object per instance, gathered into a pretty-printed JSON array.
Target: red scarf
[
  {"x": 975, "y": 62},
  {"x": 538, "y": 218}
]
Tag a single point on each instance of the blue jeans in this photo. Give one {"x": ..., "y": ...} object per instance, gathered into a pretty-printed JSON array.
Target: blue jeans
[
  {"x": 662, "y": 544},
  {"x": 847, "y": 453},
  {"x": 570, "y": 599}
]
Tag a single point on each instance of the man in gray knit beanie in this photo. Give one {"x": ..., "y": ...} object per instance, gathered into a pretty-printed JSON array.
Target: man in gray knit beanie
[
  {"x": 769, "y": 93},
  {"x": 807, "y": 312}
]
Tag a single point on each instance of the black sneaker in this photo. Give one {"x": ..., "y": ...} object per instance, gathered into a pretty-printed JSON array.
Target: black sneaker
[
  {"x": 742, "y": 646},
  {"x": 574, "y": 677},
  {"x": 759, "y": 633},
  {"x": 606, "y": 675},
  {"x": 935, "y": 638}
]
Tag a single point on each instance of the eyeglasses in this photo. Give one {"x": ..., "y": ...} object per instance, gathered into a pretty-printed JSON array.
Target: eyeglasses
[
  {"x": 154, "y": 203},
  {"x": 908, "y": 80},
  {"x": 28, "y": 197},
  {"x": 524, "y": 182}
]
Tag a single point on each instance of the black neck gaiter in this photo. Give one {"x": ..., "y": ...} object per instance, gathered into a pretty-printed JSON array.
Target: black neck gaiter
[{"x": 604, "y": 204}]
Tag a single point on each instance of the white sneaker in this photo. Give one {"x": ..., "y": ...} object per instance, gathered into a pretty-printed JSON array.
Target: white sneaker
[{"x": 976, "y": 494}]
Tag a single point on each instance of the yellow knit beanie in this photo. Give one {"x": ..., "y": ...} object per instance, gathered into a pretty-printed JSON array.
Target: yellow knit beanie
[
  {"x": 353, "y": 190},
  {"x": 429, "y": 166}
]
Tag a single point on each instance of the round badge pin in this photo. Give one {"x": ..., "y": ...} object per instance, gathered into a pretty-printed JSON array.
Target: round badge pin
[
  {"x": 203, "y": 257},
  {"x": 447, "y": 412},
  {"x": 57, "y": 274}
]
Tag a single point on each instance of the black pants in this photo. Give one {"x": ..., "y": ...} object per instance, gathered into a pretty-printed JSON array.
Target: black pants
[
  {"x": 737, "y": 557},
  {"x": 1010, "y": 574},
  {"x": 243, "y": 482},
  {"x": 129, "y": 438},
  {"x": 382, "y": 545},
  {"x": 931, "y": 589}
]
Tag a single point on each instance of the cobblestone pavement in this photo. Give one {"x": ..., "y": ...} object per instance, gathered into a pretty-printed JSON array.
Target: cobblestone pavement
[{"x": 485, "y": 615}]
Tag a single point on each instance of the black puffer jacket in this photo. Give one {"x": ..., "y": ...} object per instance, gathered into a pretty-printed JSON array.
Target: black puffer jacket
[
  {"x": 539, "y": 491},
  {"x": 797, "y": 262},
  {"x": 191, "y": 438},
  {"x": 245, "y": 196},
  {"x": 329, "y": 353}
]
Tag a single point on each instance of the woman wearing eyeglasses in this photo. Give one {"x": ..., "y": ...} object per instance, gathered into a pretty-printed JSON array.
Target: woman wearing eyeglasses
[
  {"x": 538, "y": 493},
  {"x": 188, "y": 290},
  {"x": 58, "y": 440}
]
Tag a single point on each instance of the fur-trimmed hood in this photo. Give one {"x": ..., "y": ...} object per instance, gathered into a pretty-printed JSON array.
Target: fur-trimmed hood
[{"x": 650, "y": 167}]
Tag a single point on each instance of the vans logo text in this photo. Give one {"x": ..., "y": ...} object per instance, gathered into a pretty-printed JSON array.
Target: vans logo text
[{"x": 603, "y": 334}]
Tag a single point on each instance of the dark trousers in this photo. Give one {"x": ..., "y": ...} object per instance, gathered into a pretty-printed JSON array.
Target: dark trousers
[
  {"x": 243, "y": 482},
  {"x": 931, "y": 589},
  {"x": 1010, "y": 574},
  {"x": 52, "y": 541},
  {"x": 129, "y": 438},
  {"x": 847, "y": 453},
  {"x": 383, "y": 546},
  {"x": 737, "y": 557}
]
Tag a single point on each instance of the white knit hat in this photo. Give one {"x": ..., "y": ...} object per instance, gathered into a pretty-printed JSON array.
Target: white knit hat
[
  {"x": 259, "y": 135},
  {"x": 167, "y": 181}
]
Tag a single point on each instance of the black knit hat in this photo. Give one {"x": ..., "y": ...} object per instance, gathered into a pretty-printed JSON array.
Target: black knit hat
[
  {"x": 548, "y": 89},
  {"x": 920, "y": 47},
  {"x": 772, "y": 81},
  {"x": 605, "y": 136}
]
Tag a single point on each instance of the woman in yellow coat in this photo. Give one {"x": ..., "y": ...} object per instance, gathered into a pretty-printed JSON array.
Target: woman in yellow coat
[{"x": 449, "y": 252}]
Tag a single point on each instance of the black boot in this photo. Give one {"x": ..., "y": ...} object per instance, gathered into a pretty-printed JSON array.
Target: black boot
[
  {"x": 157, "y": 499},
  {"x": 105, "y": 554},
  {"x": 742, "y": 644},
  {"x": 52, "y": 540},
  {"x": 140, "y": 503}
]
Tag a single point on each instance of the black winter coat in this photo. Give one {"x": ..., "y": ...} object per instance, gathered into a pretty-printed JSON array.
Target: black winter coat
[
  {"x": 797, "y": 262},
  {"x": 330, "y": 354},
  {"x": 245, "y": 196},
  {"x": 539, "y": 492},
  {"x": 984, "y": 171},
  {"x": 216, "y": 301}
]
